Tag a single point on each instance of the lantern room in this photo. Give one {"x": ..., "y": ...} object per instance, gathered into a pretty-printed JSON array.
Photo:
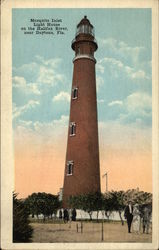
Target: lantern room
[
  {"x": 85, "y": 27},
  {"x": 84, "y": 42}
]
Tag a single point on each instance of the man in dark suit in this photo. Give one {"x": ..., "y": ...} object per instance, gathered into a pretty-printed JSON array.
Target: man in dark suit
[{"x": 128, "y": 214}]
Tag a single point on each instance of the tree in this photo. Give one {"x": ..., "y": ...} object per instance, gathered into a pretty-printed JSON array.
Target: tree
[
  {"x": 107, "y": 204},
  {"x": 110, "y": 201},
  {"x": 97, "y": 199},
  {"x": 33, "y": 205},
  {"x": 117, "y": 198},
  {"x": 75, "y": 201},
  {"x": 88, "y": 202},
  {"x": 140, "y": 197},
  {"x": 22, "y": 231},
  {"x": 43, "y": 203},
  {"x": 137, "y": 196}
]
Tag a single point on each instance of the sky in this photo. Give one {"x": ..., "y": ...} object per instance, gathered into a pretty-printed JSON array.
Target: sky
[{"x": 41, "y": 85}]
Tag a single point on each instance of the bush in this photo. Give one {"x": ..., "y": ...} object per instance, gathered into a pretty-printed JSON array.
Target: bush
[{"x": 22, "y": 231}]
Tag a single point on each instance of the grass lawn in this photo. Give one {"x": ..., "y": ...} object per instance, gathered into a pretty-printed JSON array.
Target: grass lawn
[{"x": 92, "y": 232}]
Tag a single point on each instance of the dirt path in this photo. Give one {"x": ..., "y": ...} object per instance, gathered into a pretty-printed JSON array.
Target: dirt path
[{"x": 113, "y": 232}]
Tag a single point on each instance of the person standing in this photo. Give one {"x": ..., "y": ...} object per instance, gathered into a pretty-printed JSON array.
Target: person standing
[
  {"x": 60, "y": 214},
  {"x": 66, "y": 216},
  {"x": 146, "y": 219},
  {"x": 136, "y": 219},
  {"x": 74, "y": 214},
  {"x": 128, "y": 214}
]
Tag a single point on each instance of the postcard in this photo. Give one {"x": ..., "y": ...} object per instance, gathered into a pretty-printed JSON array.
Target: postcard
[{"x": 79, "y": 125}]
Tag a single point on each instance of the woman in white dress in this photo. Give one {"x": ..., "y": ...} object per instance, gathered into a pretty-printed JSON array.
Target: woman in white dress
[{"x": 136, "y": 219}]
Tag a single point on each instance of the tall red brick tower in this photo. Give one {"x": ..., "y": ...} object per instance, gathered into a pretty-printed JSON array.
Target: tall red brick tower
[{"x": 82, "y": 173}]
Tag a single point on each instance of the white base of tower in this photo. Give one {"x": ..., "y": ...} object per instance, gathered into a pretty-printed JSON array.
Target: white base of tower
[{"x": 82, "y": 215}]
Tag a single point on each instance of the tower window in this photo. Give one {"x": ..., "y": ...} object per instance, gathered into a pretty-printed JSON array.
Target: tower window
[
  {"x": 70, "y": 168},
  {"x": 72, "y": 128},
  {"x": 74, "y": 93}
]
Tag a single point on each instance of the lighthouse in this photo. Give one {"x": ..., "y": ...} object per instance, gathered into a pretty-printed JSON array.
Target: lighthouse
[{"x": 82, "y": 168}]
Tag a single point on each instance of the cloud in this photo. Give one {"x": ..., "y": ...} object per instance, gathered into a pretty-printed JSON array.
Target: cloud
[
  {"x": 48, "y": 71},
  {"x": 122, "y": 49},
  {"x": 123, "y": 59},
  {"x": 135, "y": 109},
  {"x": 25, "y": 123},
  {"x": 140, "y": 74},
  {"x": 20, "y": 83},
  {"x": 42, "y": 133},
  {"x": 41, "y": 71},
  {"x": 139, "y": 103},
  {"x": 99, "y": 82},
  {"x": 117, "y": 67},
  {"x": 116, "y": 135},
  {"x": 37, "y": 80},
  {"x": 100, "y": 68},
  {"x": 53, "y": 62},
  {"x": 44, "y": 127},
  {"x": 49, "y": 127},
  {"x": 28, "y": 68},
  {"x": 116, "y": 102},
  {"x": 138, "y": 108},
  {"x": 49, "y": 76},
  {"x": 62, "y": 96},
  {"x": 100, "y": 101},
  {"x": 18, "y": 111},
  {"x": 63, "y": 121}
]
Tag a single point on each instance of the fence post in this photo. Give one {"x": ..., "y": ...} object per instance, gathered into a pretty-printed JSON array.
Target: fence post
[
  {"x": 77, "y": 227},
  {"x": 102, "y": 231},
  {"x": 81, "y": 227}
]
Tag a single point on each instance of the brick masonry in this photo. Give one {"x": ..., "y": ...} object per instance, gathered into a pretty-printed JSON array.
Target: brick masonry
[{"x": 83, "y": 148}]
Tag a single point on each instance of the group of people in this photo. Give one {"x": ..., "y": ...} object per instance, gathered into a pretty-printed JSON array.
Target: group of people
[
  {"x": 68, "y": 214},
  {"x": 134, "y": 216},
  {"x": 132, "y": 213}
]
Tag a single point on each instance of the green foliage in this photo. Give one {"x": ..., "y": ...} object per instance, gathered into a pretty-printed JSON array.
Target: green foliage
[
  {"x": 115, "y": 200},
  {"x": 144, "y": 199},
  {"x": 75, "y": 201},
  {"x": 88, "y": 202},
  {"x": 110, "y": 201},
  {"x": 22, "y": 231},
  {"x": 137, "y": 196},
  {"x": 107, "y": 206},
  {"x": 42, "y": 203}
]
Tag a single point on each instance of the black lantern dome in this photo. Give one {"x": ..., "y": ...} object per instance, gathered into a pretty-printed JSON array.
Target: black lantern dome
[{"x": 85, "y": 27}]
